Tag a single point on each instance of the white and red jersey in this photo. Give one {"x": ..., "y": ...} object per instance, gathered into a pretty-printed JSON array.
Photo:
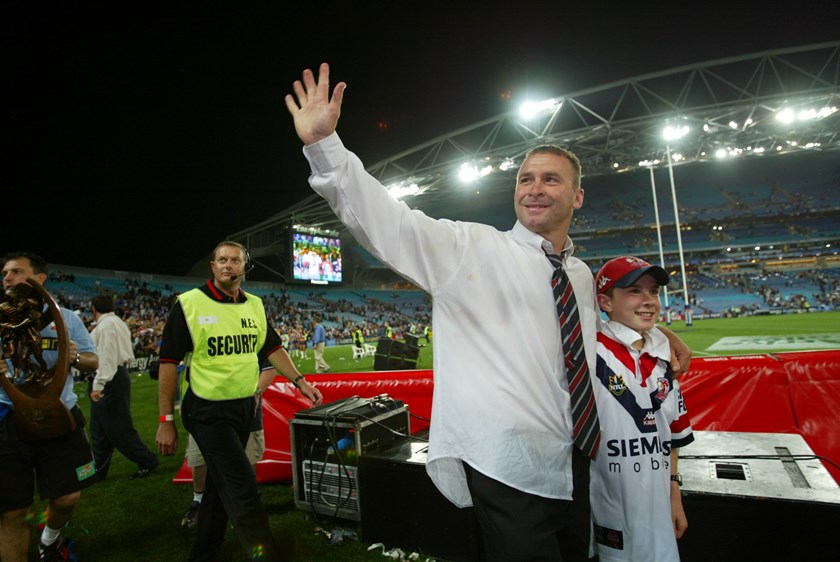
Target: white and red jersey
[{"x": 642, "y": 415}]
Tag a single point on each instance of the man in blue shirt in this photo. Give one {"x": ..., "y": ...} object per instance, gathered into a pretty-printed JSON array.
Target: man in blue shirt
[
  {"x": 319, "y": 342},
  {"x": 63, "y": 465}
]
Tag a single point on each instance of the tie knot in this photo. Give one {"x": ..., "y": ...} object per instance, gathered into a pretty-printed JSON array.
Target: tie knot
[{"x": 555, "y": 259}]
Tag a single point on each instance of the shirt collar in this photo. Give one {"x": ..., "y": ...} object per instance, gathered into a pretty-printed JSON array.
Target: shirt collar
[
  {"x": 534, "y": 240},
  {"x": 656, "y": 344},
  {"x": 219, "y": 296}
]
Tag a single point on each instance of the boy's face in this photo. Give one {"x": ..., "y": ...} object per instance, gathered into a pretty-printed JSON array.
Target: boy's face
[{"x": 636, "y": 306}]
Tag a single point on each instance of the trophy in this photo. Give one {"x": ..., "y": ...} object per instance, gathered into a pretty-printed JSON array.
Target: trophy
[{"x": 34, "y": 389}]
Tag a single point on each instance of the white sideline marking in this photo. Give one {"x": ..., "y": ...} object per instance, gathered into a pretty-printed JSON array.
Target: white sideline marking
[{"x": 795, "y": 341}]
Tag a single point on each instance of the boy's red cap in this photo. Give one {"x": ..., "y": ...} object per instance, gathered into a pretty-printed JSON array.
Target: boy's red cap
[{"x": 626, "y": 270}]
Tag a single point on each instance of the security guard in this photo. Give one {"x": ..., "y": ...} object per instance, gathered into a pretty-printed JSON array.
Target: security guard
[
  {"x": 358, "y": 337},
  {"x": 223, "y": 335}
]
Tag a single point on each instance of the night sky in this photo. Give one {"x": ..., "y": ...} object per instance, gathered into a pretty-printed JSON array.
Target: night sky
[{"x": 136, "y": 140}]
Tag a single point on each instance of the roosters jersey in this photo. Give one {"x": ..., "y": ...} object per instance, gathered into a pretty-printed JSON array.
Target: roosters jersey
[{"x": 643, "y": 416}]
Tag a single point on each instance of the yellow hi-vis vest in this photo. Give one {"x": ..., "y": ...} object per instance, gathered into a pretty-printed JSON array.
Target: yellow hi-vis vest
[{"x": 226, "y": 339}]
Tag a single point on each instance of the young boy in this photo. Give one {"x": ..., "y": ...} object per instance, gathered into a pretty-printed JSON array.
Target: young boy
[{"x": 637, "y": 509}]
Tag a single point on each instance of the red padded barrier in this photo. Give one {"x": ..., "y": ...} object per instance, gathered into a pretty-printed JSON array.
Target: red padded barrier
[
  {"x": 815, "y": 394},
  {"x": 795, "y": 392},
  {"x": 744, "y": 393},
  {"x": 281, "y": 400}
]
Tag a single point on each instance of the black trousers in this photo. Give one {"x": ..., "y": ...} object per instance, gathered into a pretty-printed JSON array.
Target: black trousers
[
  {"x": 111, "y": 427},
  {"x": 221, "y": 429},
  {"x": 517, "y": 526}
]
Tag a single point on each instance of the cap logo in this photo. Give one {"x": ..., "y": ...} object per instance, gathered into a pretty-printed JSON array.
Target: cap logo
[
  {"x": 634, "y": 261},
  {"x": 602, "y": 281}
]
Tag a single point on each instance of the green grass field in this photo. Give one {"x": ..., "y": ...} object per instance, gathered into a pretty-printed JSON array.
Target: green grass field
[
  {"x": 130, "y": 520},
  {"x": 762, "y": 334}
]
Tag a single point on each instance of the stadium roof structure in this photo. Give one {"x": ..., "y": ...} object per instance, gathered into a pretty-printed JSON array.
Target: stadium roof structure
[{"x": 762, "y": 104}]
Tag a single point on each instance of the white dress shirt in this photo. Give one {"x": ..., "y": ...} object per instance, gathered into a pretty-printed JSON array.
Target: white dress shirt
[
  {"x": 112, "y": 337},
  {"x": 501, "y": 400}
]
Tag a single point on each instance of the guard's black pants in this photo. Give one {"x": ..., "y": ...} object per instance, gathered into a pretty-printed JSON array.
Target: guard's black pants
[{"x": 221, "y": 430}]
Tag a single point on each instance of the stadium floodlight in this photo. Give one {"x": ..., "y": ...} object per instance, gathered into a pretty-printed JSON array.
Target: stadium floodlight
[
  {"x": 532, "y": 108},
  {"x": 407, "y": 187},
  {"x": 399, "y": 191},
  {"x": 507, "y": 165},
  {"x": 786, "y": 115},
  {"x": 467, "y": 173},
  {"x": 671, "y": 133}
]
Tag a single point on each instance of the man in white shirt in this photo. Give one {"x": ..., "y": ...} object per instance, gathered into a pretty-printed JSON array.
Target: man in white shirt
[
  {"x": 500, "y": 437},
  {"x": 111, "y": 426}
]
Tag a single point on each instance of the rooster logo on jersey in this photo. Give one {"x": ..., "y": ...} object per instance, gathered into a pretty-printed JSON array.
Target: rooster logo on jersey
[{"x": 663, "y": 388}]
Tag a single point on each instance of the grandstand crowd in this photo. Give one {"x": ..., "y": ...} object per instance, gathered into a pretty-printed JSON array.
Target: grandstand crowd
[
  {"x": 145, "y": 305},
  {"x": 763, "y": 292}
]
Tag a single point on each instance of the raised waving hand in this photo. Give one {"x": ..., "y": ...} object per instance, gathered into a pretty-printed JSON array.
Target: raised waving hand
[{"x": 314, "y": 113}]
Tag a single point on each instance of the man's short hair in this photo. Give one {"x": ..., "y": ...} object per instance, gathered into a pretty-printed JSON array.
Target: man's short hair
[
  {"x": 242, "y": 247},
  {"x": 39, "y": 264},
  {"x": 560, "y": 151},
  {"x": 103, "y": 303}
]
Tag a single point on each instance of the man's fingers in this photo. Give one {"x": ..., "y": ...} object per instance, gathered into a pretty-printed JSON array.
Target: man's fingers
[
  {"x": 297, "y": 87},
  {"x": 338, "y": 93},
  {"x": 306, "y": 88},
  {"x": 309, "y": 81},
  {"x": 291, "y": 105},
  {"x": 324, "y": 79}
]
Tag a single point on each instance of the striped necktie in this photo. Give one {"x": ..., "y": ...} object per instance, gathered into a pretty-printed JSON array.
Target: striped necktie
[{"x": 586, "y": 432}]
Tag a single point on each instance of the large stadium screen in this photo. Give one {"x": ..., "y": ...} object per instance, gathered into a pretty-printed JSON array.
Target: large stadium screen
[{"x": 316, "y": 258}]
